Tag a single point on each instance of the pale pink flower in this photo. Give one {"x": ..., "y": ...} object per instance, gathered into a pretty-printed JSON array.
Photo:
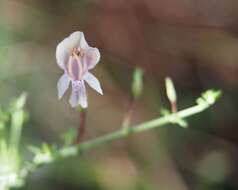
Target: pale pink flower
[{"x": 76, "y": 58}]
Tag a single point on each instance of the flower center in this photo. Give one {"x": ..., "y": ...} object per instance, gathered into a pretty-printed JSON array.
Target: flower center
[{"x": 75, "y": 66}]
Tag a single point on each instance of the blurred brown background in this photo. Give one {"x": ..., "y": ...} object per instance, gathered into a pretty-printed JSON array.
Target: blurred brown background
[{"x": 194, "y": 42}]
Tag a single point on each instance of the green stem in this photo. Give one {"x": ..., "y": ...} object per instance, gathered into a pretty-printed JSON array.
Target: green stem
[
  {"x": 206, "y": 100},
  {"x": 16, "y": 130},
  {"x": 124, "y": 132}
]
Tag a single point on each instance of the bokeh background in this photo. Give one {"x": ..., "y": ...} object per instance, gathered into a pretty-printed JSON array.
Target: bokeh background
[{"x": 194, "y": 42}]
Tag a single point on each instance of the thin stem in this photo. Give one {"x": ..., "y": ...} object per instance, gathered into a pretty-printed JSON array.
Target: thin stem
[
  {"x": 124, "y": 132},
  {"x": 16, "y": 130},
  {"x": 174, "y": 107},
  {"x": 82, "y": 125},
  {"x": 206, "y": 100},
  {"x": 128, "y": 116},
  {"x": 119, "y": 134}
]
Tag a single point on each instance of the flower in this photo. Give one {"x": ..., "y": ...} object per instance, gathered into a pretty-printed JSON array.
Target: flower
[{"x": 75, "y": 57}]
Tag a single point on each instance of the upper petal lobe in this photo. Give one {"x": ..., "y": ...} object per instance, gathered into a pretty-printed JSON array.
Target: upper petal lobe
[
  {"x": 64, "y": 48},
  {"x": 92, "y": 57}
]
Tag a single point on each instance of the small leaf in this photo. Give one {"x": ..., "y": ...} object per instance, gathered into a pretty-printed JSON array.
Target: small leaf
[
  {"x": 20, "y": 102},
  {"x": 46, "y": 148},
  {"x": 33, "y": 149},
  {"x": 69, "y": 137},
  {"x": 201, "y": 101},
  {"x": 164, "y": 112},
  {"x": 177, "y": 120},
  {"x": 182, "y": 123},
  {"x": 170, "y": 90},
  {"x": 211, "y": 96},
  {"x": 137, "y": 82},
  {"x": 44, "y": 155}
]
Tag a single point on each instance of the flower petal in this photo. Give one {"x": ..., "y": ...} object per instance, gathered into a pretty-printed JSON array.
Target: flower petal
[
  {"x": 65, "y": 47},
  {"x": 93, "y": 82},
  {"x": 83, "y": 43},
  {"x": 63, "y": 85},
  {"x": 92, "y": 57},
  {"x": 78, "y": 95}
]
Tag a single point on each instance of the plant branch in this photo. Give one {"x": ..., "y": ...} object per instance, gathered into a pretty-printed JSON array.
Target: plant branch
[
  {"x": 48, "y": 154},
  {"x": 124, "y": 132}
]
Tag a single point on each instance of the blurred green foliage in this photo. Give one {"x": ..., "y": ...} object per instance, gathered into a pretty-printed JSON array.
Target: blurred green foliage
[{"x": 12, "y": 119}]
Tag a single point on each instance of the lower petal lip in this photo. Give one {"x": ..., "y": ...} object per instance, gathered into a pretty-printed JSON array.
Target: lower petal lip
[{"x": 78, "y": 95}]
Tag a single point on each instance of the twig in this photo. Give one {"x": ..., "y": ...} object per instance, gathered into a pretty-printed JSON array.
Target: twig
[
  {"x": 173, "y": 107},
  {"x": 159, "y": 122},
  {"x": 208, "y": 98},
  {"x": 128, "y": 116}
]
